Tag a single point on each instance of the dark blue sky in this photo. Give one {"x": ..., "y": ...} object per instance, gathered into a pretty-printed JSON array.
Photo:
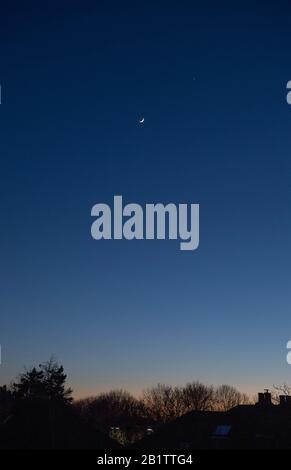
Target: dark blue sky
[{"x": 76, "y": 77}]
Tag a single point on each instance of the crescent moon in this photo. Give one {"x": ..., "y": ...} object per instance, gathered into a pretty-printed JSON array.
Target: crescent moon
[{"x": 141, "y": 121}]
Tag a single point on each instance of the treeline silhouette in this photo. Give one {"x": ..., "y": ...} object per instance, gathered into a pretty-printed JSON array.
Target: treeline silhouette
[
  {"x": 38, "y": 410},
  {"x": 126, "y": 418}
]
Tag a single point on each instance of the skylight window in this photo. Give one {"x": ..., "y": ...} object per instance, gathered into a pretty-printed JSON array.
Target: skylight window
[{"x": 222, "y": 430}]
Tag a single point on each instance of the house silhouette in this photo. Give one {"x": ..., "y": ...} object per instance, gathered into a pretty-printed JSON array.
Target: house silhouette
[{"x": 263, "y": 425}]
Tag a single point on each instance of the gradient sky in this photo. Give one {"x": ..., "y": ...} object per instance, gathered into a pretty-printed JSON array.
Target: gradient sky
[{"x": 211, "y": 82}]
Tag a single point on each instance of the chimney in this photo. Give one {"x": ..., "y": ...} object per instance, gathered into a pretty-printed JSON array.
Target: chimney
[
  {"x": 285, "y": 400},
  {"x": 265, "y": 399}
]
